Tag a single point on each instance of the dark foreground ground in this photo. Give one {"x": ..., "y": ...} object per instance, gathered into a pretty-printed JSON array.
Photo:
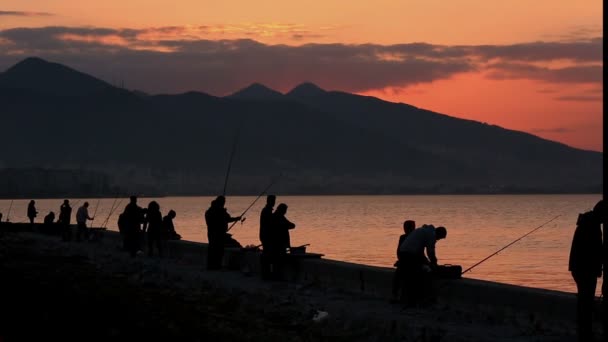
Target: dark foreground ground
[{"x": 90, "y": 292}]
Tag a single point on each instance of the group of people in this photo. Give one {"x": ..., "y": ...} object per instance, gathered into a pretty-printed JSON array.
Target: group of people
[
  {"x": 414, "y": 270},
  {"x": 63, "y": 224},
  {"x": 274, "y": 235},
  {"x": 137, "y": 224}
]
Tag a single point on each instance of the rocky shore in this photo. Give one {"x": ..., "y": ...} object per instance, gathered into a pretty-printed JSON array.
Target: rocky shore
[{"x": 94, "y": 291}]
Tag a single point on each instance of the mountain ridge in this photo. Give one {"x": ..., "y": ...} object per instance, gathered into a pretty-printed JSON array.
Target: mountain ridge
[{"x": 331, "y": 141}]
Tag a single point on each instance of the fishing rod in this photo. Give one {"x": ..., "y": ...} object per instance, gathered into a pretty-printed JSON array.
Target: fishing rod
[
  {"x": 256, "y": 199},
  {"x": 9, "y": 211},
  {"x": 105, "y": 224},
  {"x": 236, "y": 138},
  {"x": 95, "y": 213},
  {"x": 110, "y": 212},
  {"x": 505, "y": 247}
]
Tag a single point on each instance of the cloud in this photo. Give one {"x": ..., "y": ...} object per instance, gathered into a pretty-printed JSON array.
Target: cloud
[
  {"x": 572, "y": 74},
  {"x": 580, "y": 98},
  {"x": 25, "y": 14},
  {"x": 588, "y": 50},
  {"x": 182, "y": 58}
]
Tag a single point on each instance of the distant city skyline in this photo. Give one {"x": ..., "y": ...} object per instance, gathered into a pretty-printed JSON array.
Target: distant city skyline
[{"x": 530, "y": 66}]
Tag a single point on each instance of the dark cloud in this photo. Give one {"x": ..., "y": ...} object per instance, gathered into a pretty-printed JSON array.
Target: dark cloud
[
  {"x": 581, "y": 98},
  {"x": 175, "y": 59},
  {"x": 580, "y": 51},
  {"x": 25, "y": 14},
  {"x": 572, "y": 74}
]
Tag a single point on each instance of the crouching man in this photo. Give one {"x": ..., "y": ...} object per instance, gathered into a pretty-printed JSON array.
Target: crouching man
[{"x": 416, "y": 267}]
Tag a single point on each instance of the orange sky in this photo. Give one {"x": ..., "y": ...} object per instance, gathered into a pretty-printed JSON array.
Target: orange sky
[{"x": 562, "y": 111}]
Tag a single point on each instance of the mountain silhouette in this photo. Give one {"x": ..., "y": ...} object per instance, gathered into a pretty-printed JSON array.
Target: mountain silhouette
[
  {"x": 41, "y": 76},
  {"x": 305, "y": 90},
  {"x": 257, "y": 91},
  {"x": 323, "y": 142}
]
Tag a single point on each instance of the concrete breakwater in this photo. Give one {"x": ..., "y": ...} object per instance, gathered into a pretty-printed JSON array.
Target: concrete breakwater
[{"x": 377, "y": 281}]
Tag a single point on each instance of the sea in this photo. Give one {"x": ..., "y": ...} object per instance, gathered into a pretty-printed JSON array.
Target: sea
[{"x": 366, "y": 229}]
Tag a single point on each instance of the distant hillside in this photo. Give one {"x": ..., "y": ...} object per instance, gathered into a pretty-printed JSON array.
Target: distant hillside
[{"x": 323, "y": 142}]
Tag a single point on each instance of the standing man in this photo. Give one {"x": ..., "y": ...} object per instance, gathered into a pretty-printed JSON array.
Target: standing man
[
  {"x": 266, "y": 259},
  {"x": 415, "y": 264},
  {"x": 82, "y": 215},
  {"x": 31, "y": 211},
  {"x": 280, "y": 240},
  {"x": 65, "y": 216},
  {"x": 131, "y": 220},
  {"x": 586, "y": 265},
  {"x": 398, "y": 277},
  {"x": 217, "y": 219}
]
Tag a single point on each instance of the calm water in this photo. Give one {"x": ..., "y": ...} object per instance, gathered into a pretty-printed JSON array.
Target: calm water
[{"x": 365, "y": 229}]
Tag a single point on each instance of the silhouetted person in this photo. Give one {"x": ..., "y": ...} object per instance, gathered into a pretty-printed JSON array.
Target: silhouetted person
[
  {"x": 168, "y": 226},
  {"x": 82, "y": 215},
  {"x": 31, "y": 211},
  {"x": 65, "y": 217},
  {"x": 48, "y": 223},
  {"x": 416, "y": 267},
  {"x": 266, "y": 236},
  {"x": 586, "y": 264},
  {"x": 399, "y": 277},
  {"x": 217, "y": 219},
  {"x": 280, "y": 240},
  {"x": 132, "y": 218},
  {"x": 155, "y": 228}
]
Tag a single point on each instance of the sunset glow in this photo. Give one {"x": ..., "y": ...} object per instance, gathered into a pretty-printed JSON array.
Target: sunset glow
[{"x": 530, "y": 66}]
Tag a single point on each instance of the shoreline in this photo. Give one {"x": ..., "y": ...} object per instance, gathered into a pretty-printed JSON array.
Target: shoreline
[{"x": 347, "y": 310}]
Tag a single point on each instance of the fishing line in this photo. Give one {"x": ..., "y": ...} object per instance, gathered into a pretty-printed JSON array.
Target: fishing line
[{"x": 505, "y": 247}]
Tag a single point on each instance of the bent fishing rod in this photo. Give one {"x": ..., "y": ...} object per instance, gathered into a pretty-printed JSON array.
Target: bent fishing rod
[
  {"x": 507, "y": 246},
  {"x": 256, "y": 199}
]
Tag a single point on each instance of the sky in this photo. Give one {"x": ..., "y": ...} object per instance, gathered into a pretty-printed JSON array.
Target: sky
[{"x": 534, "y": 66}]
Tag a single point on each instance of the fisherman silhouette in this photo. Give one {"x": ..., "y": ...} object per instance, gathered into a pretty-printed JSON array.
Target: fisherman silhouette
[
  {"x": 65, "y": 216},
  {"x": 217, "y": 219},
  {"x": 586, "y": 264},
  {"x": 265, "y": 237},
  {"x": 82, "y": 215},
  {"x": 155, "y": 229},
  {"x": 131, "y": 220},
  {"x": 398, "y": 277},
  {"x": 280, "y": 240},
  {"x": 416, "y": 267},
  {"x": 168, "y": 226},
  {"x": 31, "y": 211},
  {"x": 49, "y": 222}
]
